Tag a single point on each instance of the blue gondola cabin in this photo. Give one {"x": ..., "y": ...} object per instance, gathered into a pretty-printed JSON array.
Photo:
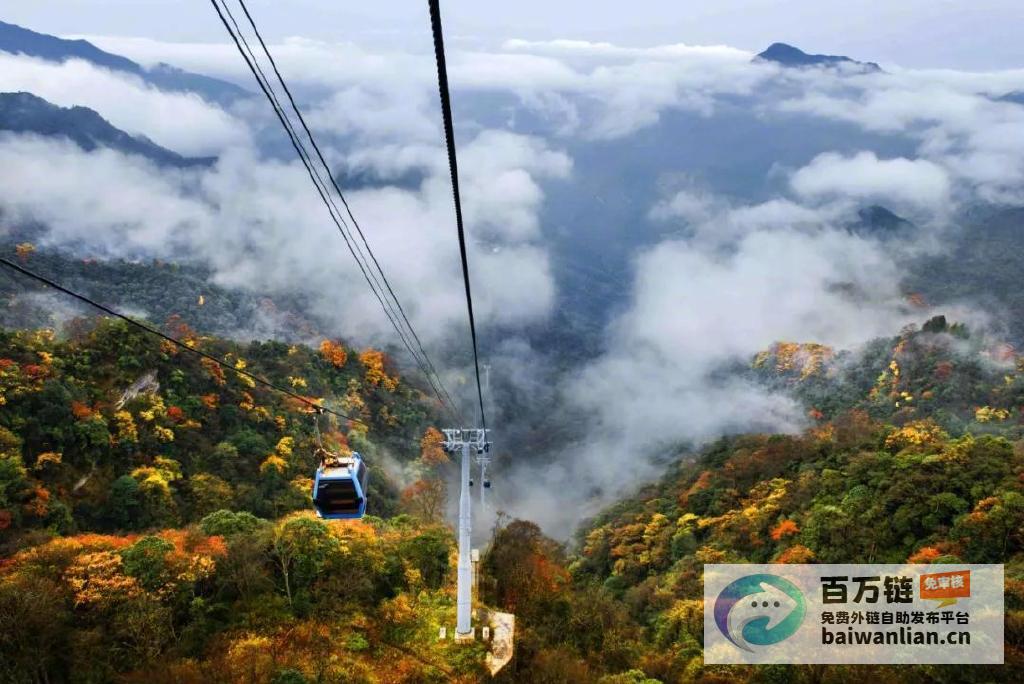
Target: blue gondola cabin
[{"x": 339, "y": 488}]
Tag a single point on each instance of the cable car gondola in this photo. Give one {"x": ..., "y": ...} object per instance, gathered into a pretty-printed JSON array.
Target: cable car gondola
[{"x": 339, "y": 488}]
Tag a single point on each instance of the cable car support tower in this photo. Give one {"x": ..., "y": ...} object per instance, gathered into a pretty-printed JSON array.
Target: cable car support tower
[{"x": 471, "y": 442}]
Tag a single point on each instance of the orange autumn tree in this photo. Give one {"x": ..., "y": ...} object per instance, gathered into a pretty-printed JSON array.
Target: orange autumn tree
[
  {"x": 528, "y": 569},
  {"x": 432, "y": 453},
  {"x": 425, "y": 499},
  {"x": 785, "y": 528},
  {"x": 927, "y": 554},
  {"x": 333, "y": 353},
  {"x": 795, "y": 554},
  {"x": 374, "y": 361}
]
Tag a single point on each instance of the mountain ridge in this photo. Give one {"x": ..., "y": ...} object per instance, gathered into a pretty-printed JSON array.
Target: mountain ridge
[
  {"x": 16, "y": 40},
  {"x": 23, "y": 112}
]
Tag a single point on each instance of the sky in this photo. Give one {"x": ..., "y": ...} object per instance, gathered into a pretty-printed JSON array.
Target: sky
[{"x": 976, "y": 34}]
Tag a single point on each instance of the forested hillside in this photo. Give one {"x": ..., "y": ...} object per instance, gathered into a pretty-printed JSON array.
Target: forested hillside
[
  {"x": 113, "y": 429},
  {"x": 155, "y": 524},
  {"x": 155, "y": 521},
  {"x": 156, "y": 288},
  {"x": 914, "y": 455}
]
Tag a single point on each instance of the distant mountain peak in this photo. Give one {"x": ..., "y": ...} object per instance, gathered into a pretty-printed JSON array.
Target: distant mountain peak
[
  {"x": 790, "y": 56},
  {"x": 878, "y": 222},
  {"x": 1016, "y": 97}
]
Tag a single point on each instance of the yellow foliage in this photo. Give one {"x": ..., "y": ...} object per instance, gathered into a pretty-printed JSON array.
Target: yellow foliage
[
  {"x": 987, "y": 414},
  {"x": 46, "y": 458},
  {"x": 285, "y": 446},
  {"x": 398, "y": 611},
  {"x": 156, "y": 409},
  {"x": 241, "y": 365},
  {"x": 273, "y": 463},
  {"x": 376, "y": 375},
  {"x": 707, "y": 555},
  {"x": 357, "y": 431},
  {"x": 808, "y": 359},
  {"x": 303, "y": 485},
  {"x": 413, "y": 576},
  {"x": 919, "y": 433},
  {"x": 250, "y": 659},
  {"x": 197, "y": 567},
  {"x": 97, "y": 579},
  {"x": 823, "y": 433},
  {"x": 150, "y": 479},
  {"x": 353, "y": 403},
  {"x": 163, "y": 434},
  {"x": 169, "y": 468},
  {"x": 124, "y": 427},
  {"x": 297, "y": 382},
  {"x": 387, "y": 417}
]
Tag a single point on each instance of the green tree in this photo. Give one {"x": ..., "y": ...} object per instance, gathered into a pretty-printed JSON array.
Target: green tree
[
  {"x": 208, "y": 493},
  {"x": 302, "y": 547},
  {"x": 429, "y": 553},
  {"x": 227, "y": 523},
  {"x": 146, "y": 560},
  {"x": 14, "y": 484}
]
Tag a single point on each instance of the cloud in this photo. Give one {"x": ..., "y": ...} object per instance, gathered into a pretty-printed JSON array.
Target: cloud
[
  {"x": 112, "y": 202},
  {"x": 602, "y": 50},
  {"x": 377, "y": 114},
  {"x": 259, "y": 224},
  {"x": 952, "y": 115},
  {"x": 182, "y": 122},
  {"x": 621, "y": 90},
  {"x": 712, "y": 221},
  {"x": 691, "y": 205},
  {"x": 920, "y": 183},
  {"x": 701, "y": 306}
]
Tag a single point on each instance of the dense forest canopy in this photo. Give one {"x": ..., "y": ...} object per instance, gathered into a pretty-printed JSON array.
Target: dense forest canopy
[{"x": 156, "y": 521}]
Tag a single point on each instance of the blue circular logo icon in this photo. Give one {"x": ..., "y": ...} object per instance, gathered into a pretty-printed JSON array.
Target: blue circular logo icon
[{"x": 759, "y": 610}]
